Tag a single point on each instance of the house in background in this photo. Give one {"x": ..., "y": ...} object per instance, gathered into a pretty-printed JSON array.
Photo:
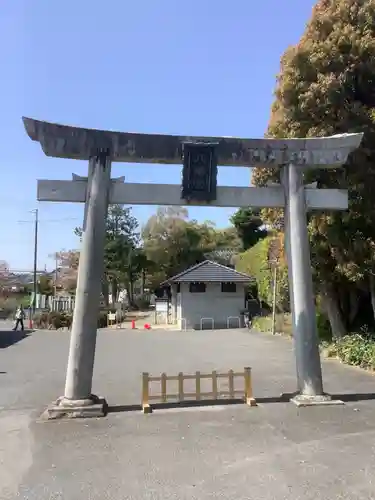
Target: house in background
[{"x": 208, "y": 295}]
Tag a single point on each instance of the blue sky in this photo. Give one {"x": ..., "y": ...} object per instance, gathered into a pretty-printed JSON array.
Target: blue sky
[{"x": 194, "y": 68}]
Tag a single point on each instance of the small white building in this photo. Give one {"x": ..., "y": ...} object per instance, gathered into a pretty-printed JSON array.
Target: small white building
[{"x": 208, "y": 295}]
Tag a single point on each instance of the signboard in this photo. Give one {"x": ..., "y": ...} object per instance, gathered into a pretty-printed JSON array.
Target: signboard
[
  {"x": 199, "y": 173},
  {"x": 161, "y": 306}
]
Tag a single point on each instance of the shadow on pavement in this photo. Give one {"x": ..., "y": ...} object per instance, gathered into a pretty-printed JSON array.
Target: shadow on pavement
[
  {"x": 347, "y": 398},
  {"x": 123, "y": 408},
  {"x": 182, "y": 404},
  {"x": 10, "y": 337},
  {"x": 283, "y": 398}
]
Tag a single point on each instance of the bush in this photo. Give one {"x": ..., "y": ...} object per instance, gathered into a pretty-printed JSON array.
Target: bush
[
  {"x": 283, "y": 324},
  {"x": 103, "y": 319},
  {"x": 356, "y": 350},
  {"x": 262, "y": 323},
  {"x": 8, "y": 306},
  {"x": 40, "y": 320},
  {"x": 53, "y": 320},
  {"x": 60, "y": 319},
  {"x": 329, "y": 350}
]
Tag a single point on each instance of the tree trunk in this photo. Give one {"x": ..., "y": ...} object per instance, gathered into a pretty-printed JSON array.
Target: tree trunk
[
  {"x": 105, "y": 292},
  {"x": 129, "y": 294},
  {"x": 143, "y": 281},
  {"x": 332, "y": 308},
  {"x": 131, "y": 291},
  {"x": 114, "y": 291},
  {"x": 354, "y": 305},
  {"x": 372, "y": 293}
]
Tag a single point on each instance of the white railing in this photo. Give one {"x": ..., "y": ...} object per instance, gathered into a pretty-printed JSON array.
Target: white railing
[
  {"x": 208, "y": 319},
  {"x": 237, "y": 318},
  {"x": 65, "y": 304}
]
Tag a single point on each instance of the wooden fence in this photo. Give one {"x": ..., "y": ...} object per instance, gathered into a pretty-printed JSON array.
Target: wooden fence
[{"x": 215, "y": 394}]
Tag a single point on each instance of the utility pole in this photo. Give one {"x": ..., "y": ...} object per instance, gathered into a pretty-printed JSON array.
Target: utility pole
[
  {"x": 274, "y": 297},
  {"x": 35, "y": 288},
  {"x": 56, "y": 276}
]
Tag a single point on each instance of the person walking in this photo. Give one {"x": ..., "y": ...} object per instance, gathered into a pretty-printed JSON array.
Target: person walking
[{"x": 20, "y": 316}]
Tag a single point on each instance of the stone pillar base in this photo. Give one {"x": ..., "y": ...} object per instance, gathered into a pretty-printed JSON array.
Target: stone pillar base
[
  {"x": 324, "y": 400},
  {"x": 63, "y": 408}
]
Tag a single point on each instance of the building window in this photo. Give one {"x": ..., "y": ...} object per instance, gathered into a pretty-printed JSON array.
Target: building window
[
  {"x": 228, "y": 287},
  {"x": 197, "y": 287},
  {"x": 178, "y": 288}
]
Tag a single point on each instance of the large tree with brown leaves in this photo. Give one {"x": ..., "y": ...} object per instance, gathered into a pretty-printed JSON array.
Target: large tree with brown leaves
[{"x": 327, "y": 86}]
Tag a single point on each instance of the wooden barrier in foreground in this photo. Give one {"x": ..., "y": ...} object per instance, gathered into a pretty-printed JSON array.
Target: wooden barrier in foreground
[{"x": 164, "y": 397}]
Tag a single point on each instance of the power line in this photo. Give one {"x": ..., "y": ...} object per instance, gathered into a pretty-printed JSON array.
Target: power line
[
  {"x": 48, "y": 220},
  {"x": 24, "y": 271}
]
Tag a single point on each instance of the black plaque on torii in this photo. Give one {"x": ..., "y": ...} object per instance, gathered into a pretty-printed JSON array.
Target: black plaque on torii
[{"x": 199, "y": 172}]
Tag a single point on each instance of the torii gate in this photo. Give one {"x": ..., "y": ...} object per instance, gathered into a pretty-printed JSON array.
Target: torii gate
[{"x": 200, "y": 157}]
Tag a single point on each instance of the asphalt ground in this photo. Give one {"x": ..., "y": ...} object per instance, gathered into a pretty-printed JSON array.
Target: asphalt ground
[{"x": 273, "y": 451}]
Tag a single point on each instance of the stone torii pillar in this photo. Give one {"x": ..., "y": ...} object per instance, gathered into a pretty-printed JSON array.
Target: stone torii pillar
[
  {"x": 102, "y": 147},
  {"x": 80, "y": 368},
  {"x": 305, "y": 335}
]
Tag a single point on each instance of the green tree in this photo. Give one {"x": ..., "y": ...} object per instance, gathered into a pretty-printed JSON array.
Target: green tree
[
  {"x": 326, "y": 87},
  {"x": 45, "y": 285},
  {"x": 249, "y": 225},
  {"x": 258, "y": 262},
  {"x": 122, "y": 240},
  {"x": 122, "y": 254},
  {"x": 121, "y": 222},
  {"x": 170, "y": 241},
  {"x": 175, "y": 243}
]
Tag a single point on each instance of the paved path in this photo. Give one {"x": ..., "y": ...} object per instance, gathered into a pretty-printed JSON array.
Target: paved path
[{"x": 274, "y": 451}]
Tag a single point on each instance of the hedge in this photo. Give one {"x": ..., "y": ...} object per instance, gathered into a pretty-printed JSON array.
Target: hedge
[
  {"x": 284, "y": 325},
  {"x": 255, "y": 263},
  {"x": 356, "y": 350},
  {"x": 56, "y": 320}
]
